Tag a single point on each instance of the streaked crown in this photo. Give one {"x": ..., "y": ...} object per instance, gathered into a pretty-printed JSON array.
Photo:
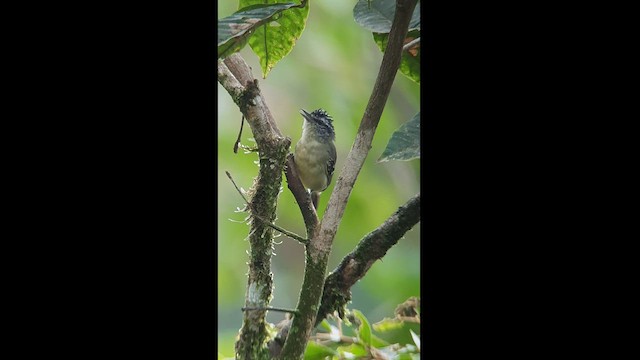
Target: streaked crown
[{"x": 322, "y": 123}]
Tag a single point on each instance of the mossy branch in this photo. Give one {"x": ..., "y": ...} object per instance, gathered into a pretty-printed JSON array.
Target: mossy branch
[
  {"x": 372, "y": 247},
  {"x": 274, "y": 226},
  {"x": 235, "y": 76}
]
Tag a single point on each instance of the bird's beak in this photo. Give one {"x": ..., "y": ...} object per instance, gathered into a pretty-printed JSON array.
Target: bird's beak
[{"x": 305, "y": 114}]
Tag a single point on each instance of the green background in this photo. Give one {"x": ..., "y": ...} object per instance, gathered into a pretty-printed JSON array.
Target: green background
[{"x": 333, "y": 66}]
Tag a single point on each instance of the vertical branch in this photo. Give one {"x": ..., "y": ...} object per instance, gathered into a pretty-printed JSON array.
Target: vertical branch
[
  {"x": 235, "y": 76},
  {"x": 321, "y": 239}
]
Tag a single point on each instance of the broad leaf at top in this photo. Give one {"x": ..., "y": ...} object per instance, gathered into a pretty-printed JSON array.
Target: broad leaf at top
[
  {"x": 235, "y": 29},
  {"x": 275, "y": 39},
  {"x": 404, "y": 143},
  {"x": 377, "y": 15}
]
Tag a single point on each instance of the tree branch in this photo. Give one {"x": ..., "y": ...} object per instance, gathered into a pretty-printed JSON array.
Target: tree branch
[
  {"x": 362, "y": 144},
  {"x": 321, "y": 239},
  {"x": 235, "y": 76},
  {"x": 411, "y": 44},
  {"x": 273, "y": 226},
  {"x": 271, "y": 308},
  {"x": 372, "y": 247},
  {"x": 302, "y": 196}
]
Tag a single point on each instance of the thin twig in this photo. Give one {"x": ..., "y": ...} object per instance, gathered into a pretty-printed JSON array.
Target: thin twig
[
  {"x": 411, "y": 44},
  {"x": 269, "y": 308},
  {"x": 235, "y": 146},
  {"x": 268, "y": 223},
  {"x": 327, "y": 336},
  {"x": 411, "y": 319}
]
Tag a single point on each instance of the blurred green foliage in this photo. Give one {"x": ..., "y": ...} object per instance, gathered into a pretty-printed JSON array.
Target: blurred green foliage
[
  {"x": 357, "y": 338},
  {"x": 333, "y": 66}
]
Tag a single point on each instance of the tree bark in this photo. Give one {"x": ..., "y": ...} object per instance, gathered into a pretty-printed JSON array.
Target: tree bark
[
  {"x": 235, "y": 76},
  {"x": 353, "y": 267}
]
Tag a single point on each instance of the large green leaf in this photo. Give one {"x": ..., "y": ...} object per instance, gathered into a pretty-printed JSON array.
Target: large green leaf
[
  {"x": 364, "y": 331},
  {"x": 315, "y": 351},
  {"x": 410, "y": 61},
  {"x": 325, "y": 324},
  {"x": 355, "y": 349},
  {"x": 416, "y": 339},
  {"x": 377, "y": 15},
  {"x": 274, "y": 40},
  {"x": 378, "y": 342},
  {"x": 235, "y": 29},
  {"x": 388, "y": 324},
  {"x": 405, "y": 142}
]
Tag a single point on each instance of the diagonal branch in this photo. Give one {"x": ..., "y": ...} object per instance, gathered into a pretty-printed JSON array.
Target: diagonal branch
[
  {"x": 321, "y": 239},
  {"x": 372, "y": 247},
  {"x": 302, "y": 196},
  {"x": 362, "y": 144}
]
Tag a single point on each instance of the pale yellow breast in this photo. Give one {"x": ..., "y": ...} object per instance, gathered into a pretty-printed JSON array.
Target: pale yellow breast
[{"x": 311, "y": 162}]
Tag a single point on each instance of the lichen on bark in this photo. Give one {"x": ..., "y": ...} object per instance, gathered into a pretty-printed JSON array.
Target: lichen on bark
[
  {"x": 252, "y": 343},
  {"x": 235, "y": 75}
]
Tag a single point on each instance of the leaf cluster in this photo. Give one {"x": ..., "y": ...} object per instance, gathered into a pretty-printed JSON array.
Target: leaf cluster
[{"x": 357, "y": 338}]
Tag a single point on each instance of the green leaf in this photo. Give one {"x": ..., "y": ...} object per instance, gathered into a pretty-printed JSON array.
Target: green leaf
[
  {"x": 377, "y": 342},
  {"x": 388, "y": 324},
  {"x": 325, "y": 324},
  {"x": 378, "y": 15},
  {"x": 416, "y": 339},
  {"x": 410, "y": 61},
  {"x": 364, "y": 332},
  {"x": 315, "y": 351},
  {"x": 272, "y": 41},
  {"x": 404, "y": 143},
  {"x": 235, "y": 30},
  {"x": 355, "y": 349},
  {"x": 408, "y": 356}
]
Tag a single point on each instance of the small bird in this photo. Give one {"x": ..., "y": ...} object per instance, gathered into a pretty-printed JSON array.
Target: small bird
[{"x": 315, "y": 153}]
